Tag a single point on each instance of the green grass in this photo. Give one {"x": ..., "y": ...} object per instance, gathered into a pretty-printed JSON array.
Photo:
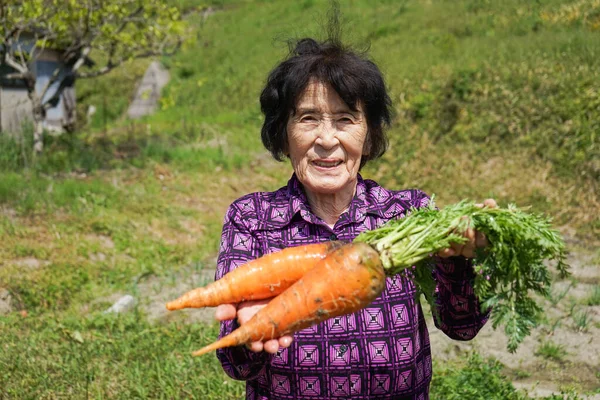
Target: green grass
[
  {"x": 594, "y": 297},
  {"x": 581, "y": 320},
  {"x": 107, "y": 356},
  {"x": 551, "y": 351},
  {"x": 66, "y": 222},
  {"x": 556, "y": 296},
  {"x": 477, "y": 378},
  {"x": 473, "y": 377},
  {"x": 485, "y": 93}
]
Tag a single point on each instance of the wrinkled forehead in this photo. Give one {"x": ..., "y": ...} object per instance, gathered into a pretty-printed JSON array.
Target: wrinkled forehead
[{"x": 322, "y": 97}]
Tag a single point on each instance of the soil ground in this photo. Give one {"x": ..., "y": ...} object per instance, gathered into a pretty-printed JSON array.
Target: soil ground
[{"x": 578, "y": 367}]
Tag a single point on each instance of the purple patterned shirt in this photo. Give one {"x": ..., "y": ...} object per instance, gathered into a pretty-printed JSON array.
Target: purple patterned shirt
[{"x": 380, "y": 352}]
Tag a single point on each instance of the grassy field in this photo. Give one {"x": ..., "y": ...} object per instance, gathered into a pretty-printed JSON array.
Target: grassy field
[{"x": 492, "y": 98}]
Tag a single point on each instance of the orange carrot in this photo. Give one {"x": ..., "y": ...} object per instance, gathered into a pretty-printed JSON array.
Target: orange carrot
[
  {"x": 261, "y": 278},
  {"x": 348, "y": 279}
]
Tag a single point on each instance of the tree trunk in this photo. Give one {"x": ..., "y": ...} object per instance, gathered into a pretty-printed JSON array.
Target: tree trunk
[
  {"x": 38, "y": 133},
  {"x": 38, "y": 122}
]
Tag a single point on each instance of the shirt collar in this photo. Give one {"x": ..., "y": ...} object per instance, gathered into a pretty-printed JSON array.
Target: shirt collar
[
  {"x": 298, "y": 201},
  {"x": 357, "y": 211}
]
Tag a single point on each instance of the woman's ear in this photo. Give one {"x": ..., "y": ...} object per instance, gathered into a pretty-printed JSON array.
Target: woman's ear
[
  {"x": 286, "y": 146},
  {"x": 367, "y": 145}
]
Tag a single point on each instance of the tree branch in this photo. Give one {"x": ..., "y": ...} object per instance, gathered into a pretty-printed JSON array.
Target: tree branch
[
  {"x": 110, "y": 65},
  {"x": 50, "y": 82},
  {"x": 129, "y": 18},
  {"x": 101, "y": 71},
  {"x": 18, "y": 40},
  {"x": 81, "y": 59},
  {"x": 14, "y": 64},
  {"x": 15, "y": 76}
]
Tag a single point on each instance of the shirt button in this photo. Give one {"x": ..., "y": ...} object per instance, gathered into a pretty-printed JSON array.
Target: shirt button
[{"x": 333, "y": 236}]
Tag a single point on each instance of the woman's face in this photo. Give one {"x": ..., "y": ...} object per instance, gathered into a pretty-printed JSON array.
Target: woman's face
[{"x": 326, "y": 140}]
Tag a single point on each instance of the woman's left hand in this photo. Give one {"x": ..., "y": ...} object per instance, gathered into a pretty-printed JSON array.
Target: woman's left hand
[{"x": 475, "y": 239}]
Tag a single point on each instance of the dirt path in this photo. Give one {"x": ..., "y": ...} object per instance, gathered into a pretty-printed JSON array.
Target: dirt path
[{"x": 187, "y": 279}]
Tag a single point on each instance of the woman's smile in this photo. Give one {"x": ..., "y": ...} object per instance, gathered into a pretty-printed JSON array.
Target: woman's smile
[{"x": 326, "y": 164}]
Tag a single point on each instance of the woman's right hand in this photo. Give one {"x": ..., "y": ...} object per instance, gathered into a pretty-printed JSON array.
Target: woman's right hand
[{"x": 243, "y": 312}]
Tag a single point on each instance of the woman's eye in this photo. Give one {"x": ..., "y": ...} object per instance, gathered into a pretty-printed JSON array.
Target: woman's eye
[
  {"x": 346, "y": 120},
  {"x": 308, "y": 118}
]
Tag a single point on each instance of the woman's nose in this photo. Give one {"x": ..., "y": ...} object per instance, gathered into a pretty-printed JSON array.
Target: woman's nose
[{"x": 327, "y": 134}]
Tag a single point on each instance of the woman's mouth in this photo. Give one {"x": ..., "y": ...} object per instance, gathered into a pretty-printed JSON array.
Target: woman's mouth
[{"x": 326, "y": 163}]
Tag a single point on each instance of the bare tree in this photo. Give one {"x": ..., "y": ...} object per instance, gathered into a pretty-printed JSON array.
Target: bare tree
[{"x": 115, "y": 30}]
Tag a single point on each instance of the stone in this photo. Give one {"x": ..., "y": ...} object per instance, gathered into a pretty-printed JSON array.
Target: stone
[
  {"x": 5, "y": 302},
  {"x": 148, "y": 92},
  {"x": 124, "y": 304}
]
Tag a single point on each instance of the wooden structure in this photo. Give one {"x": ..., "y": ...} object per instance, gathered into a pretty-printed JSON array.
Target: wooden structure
[{"x": 15, "y": 106}]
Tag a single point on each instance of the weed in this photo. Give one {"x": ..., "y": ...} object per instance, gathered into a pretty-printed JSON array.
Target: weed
[
  {"x": 521, "y": 374},
  {"x": 594, "y": 298},
  {"x": 556, "y": 296},
  {"x": 564, "y": 395},
  {"x": 16, "y": 149},
  {"x": 478, "y": 378},
  {"x": 581, "y": 320},
  {"x": 551, "y": 351},
  {"x": 555, "y": 324}
]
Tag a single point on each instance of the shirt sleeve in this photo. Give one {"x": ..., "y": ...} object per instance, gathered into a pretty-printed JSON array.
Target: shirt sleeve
[
  {"x": 458, "y": 309},
  {"x": 238, "y": 246}
]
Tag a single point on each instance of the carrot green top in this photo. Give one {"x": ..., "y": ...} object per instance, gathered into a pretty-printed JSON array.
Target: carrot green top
[{"x": 381, "y": 352}]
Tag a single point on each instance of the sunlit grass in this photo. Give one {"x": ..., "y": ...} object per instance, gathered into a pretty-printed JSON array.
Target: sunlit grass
[{"x": 108, "y": 356}]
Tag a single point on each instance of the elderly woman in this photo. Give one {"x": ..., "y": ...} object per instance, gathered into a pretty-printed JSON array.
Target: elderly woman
[{"x": 326, "y": 109}]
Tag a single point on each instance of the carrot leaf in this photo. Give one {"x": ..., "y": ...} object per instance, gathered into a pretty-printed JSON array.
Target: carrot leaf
[{"x": 508, "y": 271}]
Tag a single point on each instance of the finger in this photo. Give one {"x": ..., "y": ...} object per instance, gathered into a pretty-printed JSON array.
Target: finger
[
  {"x": 457, "y": 248},
  {"x": 252, "y": 305},
  {"x": 471, "y": 234},
  {"x": 468, "y": 251},
  {"x": 491, "y": 203},
  {"x": 445, "y": 253},
  {"x": 225, "y": 312},
  {"x": 469, "y": 245},
  {"x": 245, "y": 314},
  {"x": 243, "y": 317},
  {"x": 256, "y": 346},
  {"x": 285, "y": 341},
  {"x": 247, "y": 309},
  {"x": 271, "y": 346},
  {"x": 480, "y": 239}
]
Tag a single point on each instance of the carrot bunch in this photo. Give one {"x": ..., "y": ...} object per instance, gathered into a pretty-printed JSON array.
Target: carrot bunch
[
  {"x": 359, "y": 278},
  {"x": 310, "y": 284}
]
